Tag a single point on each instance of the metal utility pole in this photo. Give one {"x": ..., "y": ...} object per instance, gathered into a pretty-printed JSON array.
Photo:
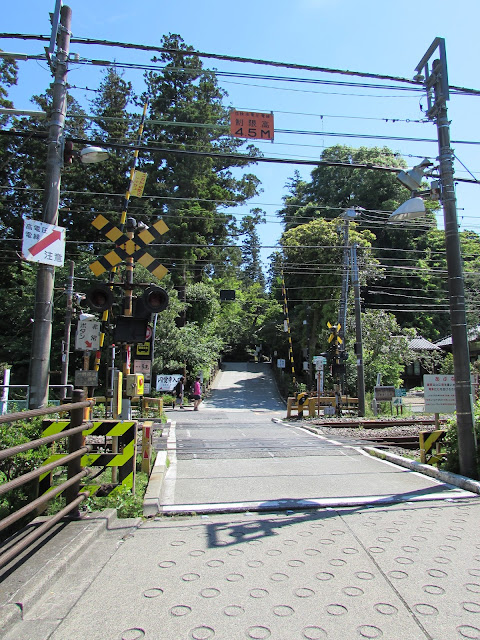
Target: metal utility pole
[
  {"x": 342, "y": 311},
  {"x": 436, "y": 83},
  {"x": 42, "y": 327},
  {"x": 68, "y": 326},
  {"x": 358, "y": 334}
]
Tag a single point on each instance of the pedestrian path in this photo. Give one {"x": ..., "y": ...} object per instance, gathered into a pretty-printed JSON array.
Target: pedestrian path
[
  {"x": 266, "y": 530},
  {"x": 399, "y": 571}
]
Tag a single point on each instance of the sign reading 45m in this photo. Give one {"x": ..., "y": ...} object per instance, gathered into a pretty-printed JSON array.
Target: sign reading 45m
[{"x": 248, "y": 124}]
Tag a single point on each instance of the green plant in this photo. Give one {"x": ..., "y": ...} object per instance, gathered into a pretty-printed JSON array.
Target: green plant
[
  {"x": 127, "y": 504},
  {"x": 450, "y": 442},
  {"x": 11, "y": 435}
]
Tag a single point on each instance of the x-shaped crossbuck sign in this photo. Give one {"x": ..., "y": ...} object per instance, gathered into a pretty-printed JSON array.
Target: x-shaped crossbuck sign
[{"x": 129, "y": 247}]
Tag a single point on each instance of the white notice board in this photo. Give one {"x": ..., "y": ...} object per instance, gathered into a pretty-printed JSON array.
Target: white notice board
[{"x": 439, "y": 392}]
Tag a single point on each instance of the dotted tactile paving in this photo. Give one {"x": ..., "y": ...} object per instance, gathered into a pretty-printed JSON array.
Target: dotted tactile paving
[
  {"x": 430, "y": 555},
  {"x": 410, "y": 571}
]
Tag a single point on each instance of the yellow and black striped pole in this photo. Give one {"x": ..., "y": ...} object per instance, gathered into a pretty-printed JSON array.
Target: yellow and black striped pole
[
  {"x": 287, "y": 328},
  {"x": 122, "y": 225}
]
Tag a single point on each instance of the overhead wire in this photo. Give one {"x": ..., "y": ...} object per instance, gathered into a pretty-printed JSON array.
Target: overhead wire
[{"x": 239, "y": 59}]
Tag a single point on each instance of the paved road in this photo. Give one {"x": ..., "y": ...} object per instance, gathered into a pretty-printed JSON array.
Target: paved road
[
  {"x": 236, "y": 453},
  {"x": 357, "y": 567}
]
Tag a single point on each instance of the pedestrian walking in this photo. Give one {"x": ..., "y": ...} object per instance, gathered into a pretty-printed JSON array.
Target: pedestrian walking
[
  {"x": 179, "y": 391},
  {"x": 197, "y": 393}
]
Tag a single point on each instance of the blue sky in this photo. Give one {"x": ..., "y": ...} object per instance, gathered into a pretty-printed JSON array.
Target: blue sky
[{"x": 374, "y": 36}]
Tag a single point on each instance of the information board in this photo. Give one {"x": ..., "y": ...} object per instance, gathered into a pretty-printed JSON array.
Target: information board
[
  {"x": 88, "y": 335},
  {"x": 384, "y": 394},
  {"x": 167, "y": 382},
  {"x": 439, "y": 393}
]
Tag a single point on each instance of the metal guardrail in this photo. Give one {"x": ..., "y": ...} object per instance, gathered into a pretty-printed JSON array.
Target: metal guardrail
[
  {"x": 75, "y": 473},
  {"x": 6, "y": 401}
]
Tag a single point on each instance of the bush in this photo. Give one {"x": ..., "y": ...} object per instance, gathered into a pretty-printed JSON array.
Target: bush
[
  {"x": 452, "y": 462},
  {"x": 127, "y": 504},
  {"x": 11, "y": 435}
]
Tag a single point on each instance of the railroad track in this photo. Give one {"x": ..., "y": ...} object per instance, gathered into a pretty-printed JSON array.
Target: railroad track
[
  {"x": 352, "y": 423},
  {"x": 405, "y": 442}
]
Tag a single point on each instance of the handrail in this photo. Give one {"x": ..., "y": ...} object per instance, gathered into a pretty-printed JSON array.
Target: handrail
[
  {"x": 46, "y": 468},
  {"x": 33, "y": 444},
  {"x": 13, "y": 552},
  {"x": 45, "y": 411},
  {"x": 39, "y": 502},
  {"x": 75, "y": 472}
]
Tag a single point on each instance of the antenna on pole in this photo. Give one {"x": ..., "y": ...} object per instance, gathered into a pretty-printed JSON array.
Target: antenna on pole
[{"x": 55, "y": 19}]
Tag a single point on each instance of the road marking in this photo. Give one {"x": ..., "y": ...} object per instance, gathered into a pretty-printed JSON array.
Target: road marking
[
  {"x": 310, "y": 503},
  {"x": 168, "y": 487}
]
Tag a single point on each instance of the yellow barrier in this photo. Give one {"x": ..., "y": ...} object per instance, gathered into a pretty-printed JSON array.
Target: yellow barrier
[
  {"x": 427, "y": 440},
  {"x": 323, "y": 401},
  {"x": 147, "y": 403}
]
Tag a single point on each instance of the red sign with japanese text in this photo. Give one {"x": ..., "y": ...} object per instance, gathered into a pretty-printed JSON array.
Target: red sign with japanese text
[{"x": 249, "y": 124}]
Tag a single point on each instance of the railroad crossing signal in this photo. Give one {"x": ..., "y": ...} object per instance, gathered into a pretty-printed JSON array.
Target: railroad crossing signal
[
  {"x": 334, "y": 333},
  {"x": 129, "y": 247}
]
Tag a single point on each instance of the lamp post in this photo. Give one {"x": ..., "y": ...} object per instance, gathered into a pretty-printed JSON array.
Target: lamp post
[{"x": 435, "y": 78}]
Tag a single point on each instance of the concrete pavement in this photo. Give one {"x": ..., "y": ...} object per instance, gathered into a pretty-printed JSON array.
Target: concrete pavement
[{"x": 266, "y": 531}]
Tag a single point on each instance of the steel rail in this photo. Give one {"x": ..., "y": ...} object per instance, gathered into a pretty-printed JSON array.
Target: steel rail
[
  {"x": 39, "y": 502},
  {"x": 36, "y": 473},
  {"x": 13, "y": 552}
]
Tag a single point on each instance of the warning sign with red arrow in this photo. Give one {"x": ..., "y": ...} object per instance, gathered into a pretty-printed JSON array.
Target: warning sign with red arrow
[{"x": 43, "y": 243}]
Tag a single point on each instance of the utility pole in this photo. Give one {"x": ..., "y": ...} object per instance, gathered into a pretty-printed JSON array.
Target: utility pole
[
  {"x": 358, "y": 334},
  {"x": 68, "y": 326},
  {"x": 42, "y": 327},
  {"x": 436, "y": 83},
  {"x": 342, "y": 311}
]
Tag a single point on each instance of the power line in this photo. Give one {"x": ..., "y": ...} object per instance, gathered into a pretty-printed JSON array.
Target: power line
[
  {"x": 241, "y": 59},
  {"x": 230, "y": 156}
]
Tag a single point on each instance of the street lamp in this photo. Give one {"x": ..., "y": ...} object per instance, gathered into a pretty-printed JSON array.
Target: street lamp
[
  {"x": 91, "y": 155},
  {"x": 435, "y": 78},
  {"x": 409, "y": 210},
  {"x": 414, "y": 207}
]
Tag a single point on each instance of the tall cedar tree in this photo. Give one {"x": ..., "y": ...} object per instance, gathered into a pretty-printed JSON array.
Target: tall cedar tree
[{"x": 186, "y": 113}]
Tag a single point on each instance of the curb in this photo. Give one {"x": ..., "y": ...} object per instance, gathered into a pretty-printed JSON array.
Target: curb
[
  {"x": 154, "y": 487},
  {"x": 445, "y": 476},
  {"x": 153, "y": 492},
  {"x": 24, "y": 585}
]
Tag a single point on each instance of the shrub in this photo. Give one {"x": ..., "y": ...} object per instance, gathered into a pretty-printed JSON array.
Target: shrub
[
  {"x": 11, "y": 435},
  {"x": 127, "y": 504},
  {"x": 452, "y": 462}
]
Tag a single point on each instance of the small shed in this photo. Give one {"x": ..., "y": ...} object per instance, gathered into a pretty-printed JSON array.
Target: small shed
[{"x": 414, "y": 372}]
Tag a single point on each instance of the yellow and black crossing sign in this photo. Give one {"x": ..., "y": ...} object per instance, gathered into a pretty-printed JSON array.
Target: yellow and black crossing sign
[
  {"x": 334, "y": 333},
  {"x": 129, "y": 247}
]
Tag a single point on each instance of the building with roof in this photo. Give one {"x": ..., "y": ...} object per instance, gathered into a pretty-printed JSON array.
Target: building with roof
[{"x": 414, "y": 372}]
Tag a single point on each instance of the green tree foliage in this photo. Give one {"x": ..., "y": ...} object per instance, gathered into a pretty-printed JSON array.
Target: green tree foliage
[
  {"x": 312, "y": 267},
  {"x": 186, "y": 113},
  {"x": 11, "y": 435},
  {"x": 385, "y": 350},
  {"x": 251, "y": 260}
]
